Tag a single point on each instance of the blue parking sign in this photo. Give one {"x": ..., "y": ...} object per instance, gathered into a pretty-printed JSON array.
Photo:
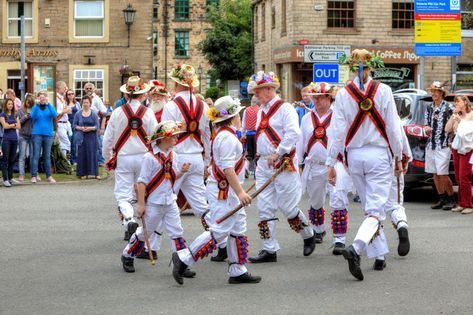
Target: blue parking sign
[{"x": 326, "y": 73}]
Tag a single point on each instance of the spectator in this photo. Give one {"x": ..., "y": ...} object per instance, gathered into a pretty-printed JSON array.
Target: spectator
[
  {"x": 209, "y": 102},
  {"x": 43, "y": 115},
  {"x": 437, "y": 151},
  {"x": 64, "y": 130},
  {"x": 86, "y": 124},
  {"x": 305, "y": 105},
  {"x": 99, "y": 108},
  {"x": 461, "y": 124},
  {"x": 122, "y": 101},
  {"x": 2, "y": 95},
  {"x": 10, "y": 94},
  {"x": 74, "y": 106},
  {"x": 248, "y": 129},
  {"x": 10, "y": 122},
  {"x": 26, "y": 143}
]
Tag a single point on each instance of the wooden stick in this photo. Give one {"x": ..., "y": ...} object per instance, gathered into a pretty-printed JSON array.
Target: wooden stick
[
  {"x": 151, "y": 259},
  {"x": 398, "y": 186},
  {"x": 251, "y": 187},
  {"x": 256, "y": 193},
  {"x": 184, "y": 207}
]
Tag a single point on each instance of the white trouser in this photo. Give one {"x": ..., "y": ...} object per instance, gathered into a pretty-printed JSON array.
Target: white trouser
[
  {"x": 192, "y": 183},
  {"x": 155, "y": 238},
  {"x": 232, "y": 231},
  {"x": 284, "y": 193},
  {"x": 126, "y": 175},
  {"x": 371, "y": 172},
  {"x": 168, "y": 216},
  {"x": 395, "y": 209},
  {"x": 63, "y": 136}
]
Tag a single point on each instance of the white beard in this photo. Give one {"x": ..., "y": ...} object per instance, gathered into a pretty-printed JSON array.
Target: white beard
[{"x": 157, "y": 106}]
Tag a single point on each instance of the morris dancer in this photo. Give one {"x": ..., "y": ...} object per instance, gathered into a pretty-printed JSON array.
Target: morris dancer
[
  {"x": 124, "y": 144},
  {"x": 366, "y": 123},
  {"x": 158, "y": 96},
  {"x": 156, "y": 199},
  {"x": 224, "y": 192},
  {"x": 312, "y": 154},
  {"x": 276, "y": 137}
]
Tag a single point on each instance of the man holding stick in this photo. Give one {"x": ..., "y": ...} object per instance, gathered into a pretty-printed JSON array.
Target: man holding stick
[
  {"x": 366, "y": 124},
  {"x": 276, "y": 136}
]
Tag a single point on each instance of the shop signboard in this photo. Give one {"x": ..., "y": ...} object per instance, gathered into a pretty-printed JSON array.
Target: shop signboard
[
  {"x": 325, "y": 53},
  {"x": 326, "y": 73}
]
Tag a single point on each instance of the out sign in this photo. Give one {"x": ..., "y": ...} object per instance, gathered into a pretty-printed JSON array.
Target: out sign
[{"x": 326, "y": 73}]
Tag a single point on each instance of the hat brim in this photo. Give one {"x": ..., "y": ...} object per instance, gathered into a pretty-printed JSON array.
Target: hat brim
[
  {"x": 159, "y": 138},
  {"x": 195, "y": 81},
  {"x": 320, "y": 94},
  {"x": 263, "y": 85},
  {"x": 146, "y": 89},
  {"x": 220, "y": 119},
  {"x": 438, "y": 89}
]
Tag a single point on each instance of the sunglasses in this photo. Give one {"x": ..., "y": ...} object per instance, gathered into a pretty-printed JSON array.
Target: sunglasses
[{"x": 70, "y": 94}]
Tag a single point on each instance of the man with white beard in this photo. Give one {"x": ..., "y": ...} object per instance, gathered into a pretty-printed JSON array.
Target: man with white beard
[{"x": 158, "y": 97}]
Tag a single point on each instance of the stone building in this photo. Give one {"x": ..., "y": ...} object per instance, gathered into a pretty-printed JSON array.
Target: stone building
[
  {"x": 76, "y": 41},
  {"x": 283, "y": 27}
]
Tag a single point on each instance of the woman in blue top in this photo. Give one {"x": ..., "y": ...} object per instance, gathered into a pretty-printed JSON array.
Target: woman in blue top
[
  {"x": 86, "y": 124},
  {"x": 75, "y": 107},
  {"x": 43, "y": 115},
  {"x": 10, "y": 122}
]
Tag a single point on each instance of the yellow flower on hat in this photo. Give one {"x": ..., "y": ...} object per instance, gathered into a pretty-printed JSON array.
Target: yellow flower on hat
[{"x": 212, "y": 113}]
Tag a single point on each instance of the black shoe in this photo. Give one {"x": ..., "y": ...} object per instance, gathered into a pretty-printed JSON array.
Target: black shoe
[
  {"x": 221, "y": 255},
  {"x": 244, "y": 278},
  {"x": 450, "y": 204},
  {"x": 132, "y": 226},
  {"x": 319, "y": 237},
  {"x": 309, "y": 244},
  {"x": 404, "y": 245},
  {"x": 178, "y": 268},
  {"x": 127, "y": 236},
  {"x": 356, "y": 199},
  {"x": 379, "y": 264},
  {"x": 128, "y": 264},
  {"x": 338, "y": 248},
  {"x": 353, "y": 262},
  {"x": 442, "y": 202},
  {"x": 263, "y": 257},
  {"x": 145, "y": 255},
  {"x": 188, "y": 273}
]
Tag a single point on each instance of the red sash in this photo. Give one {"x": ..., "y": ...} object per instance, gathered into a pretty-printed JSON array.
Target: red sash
[
  {"x": 192, "y": 118},
  {"x": 320, "y": 132},
  {"x": 134, "y": 128},
  {"x": 219, "y": 175},
  {"x": 266, "y": 128},
  {"x": 166, "y": 172},
  {"x": 366, "y": 108}
]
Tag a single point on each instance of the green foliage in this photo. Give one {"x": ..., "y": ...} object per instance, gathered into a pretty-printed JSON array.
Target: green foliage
[
  {"x": 227, "y": 46},
  {"x": 212, "y": 92}
]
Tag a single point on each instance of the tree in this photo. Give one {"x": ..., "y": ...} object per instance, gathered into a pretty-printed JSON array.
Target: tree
[{"x": 227, "y": 46}]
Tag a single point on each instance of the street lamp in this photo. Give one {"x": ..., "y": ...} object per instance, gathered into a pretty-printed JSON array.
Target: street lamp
[
  {"x": 199, "y": 72},
  {"x": 129, "y": 14}
]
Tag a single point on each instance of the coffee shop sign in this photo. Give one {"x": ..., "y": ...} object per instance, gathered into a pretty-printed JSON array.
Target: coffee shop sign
[
  {"x": 397, "y": 55},
  {"x": 30, "y": 53}
]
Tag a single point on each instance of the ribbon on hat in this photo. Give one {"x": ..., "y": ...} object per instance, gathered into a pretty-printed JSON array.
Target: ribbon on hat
[{"x": 360, "y": 76}]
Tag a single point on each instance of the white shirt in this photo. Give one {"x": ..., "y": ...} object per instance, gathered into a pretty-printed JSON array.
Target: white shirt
[
  {"x": 98, "y": 105},
  {"x": 463, "y": 141},
  {"x": 285, "y": 123},
  {"x": 118, "y": 123},
  {"x": 344, "y": 113},
  {"x": 226, "y": 151},
  {"x": 60, "y": 105},
  {"x": 164, "y": 193},
  {"x": 189, "y": 145},
  {"x": 318, "y": 153}
]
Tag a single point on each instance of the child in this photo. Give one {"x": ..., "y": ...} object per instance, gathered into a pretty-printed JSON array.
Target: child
[
  {"x": 224, "y": 192},
  {"x": 154, "y": 190}
]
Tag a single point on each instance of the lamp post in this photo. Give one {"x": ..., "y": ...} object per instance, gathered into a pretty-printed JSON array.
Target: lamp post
[
  {"x": 199, "y": 72},
  {"x": 129, "y": 14}
]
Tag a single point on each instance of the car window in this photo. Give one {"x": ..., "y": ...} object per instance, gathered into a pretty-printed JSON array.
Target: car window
[
  {"x": 418, "y": 114},
  {"x": 403, "y": 106}
]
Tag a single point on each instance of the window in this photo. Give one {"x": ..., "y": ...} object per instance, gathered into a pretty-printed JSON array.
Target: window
[
  {"x": 155, "y": 43},
  {"x": 341, "y": 14},
  {"x": 467, "y": 17},
  {"x": 181, "y": 9},
  {"x": 283, "y": 17},
  {"x": 263, "y": 22},
  {"x": 181, "y": 44},
  {"x": 256, "y": 21},
  {"x": 273, "y": 17},
  {"x": 16, "y": 9},
  {"x": 89, "y": 18},
  {"x": 403, "y": 14},
  {"x": 82, "y": 76},
  {"x": 464, "y": 77},
  {"x": 155, "y": 9}
]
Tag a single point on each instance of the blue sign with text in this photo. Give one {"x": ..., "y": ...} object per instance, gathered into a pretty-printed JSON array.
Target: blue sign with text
[
  {"x": 437, "y": 6},
  {"x": 326, "y": 73}
]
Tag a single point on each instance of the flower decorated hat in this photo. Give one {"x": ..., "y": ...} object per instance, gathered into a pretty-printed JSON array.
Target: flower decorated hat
[
  {"x": 158, "y": 87},
  {"x": 261, "y": 80},
  {"x": 322, "y": 88},
  {"x": 167, "y": 129},
  {"x": 361, "y": 58},
  {"x": 225, "y": 108},
  {"x": 184, "y": 75},
  {"x": 439, "y": 86},
  {"x": 135, "y": 85}
]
